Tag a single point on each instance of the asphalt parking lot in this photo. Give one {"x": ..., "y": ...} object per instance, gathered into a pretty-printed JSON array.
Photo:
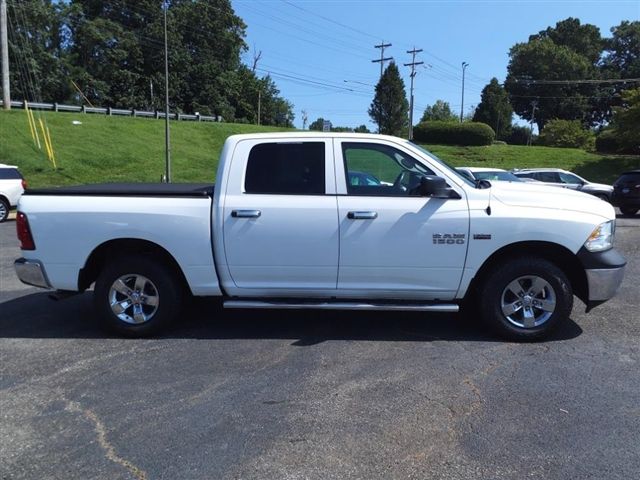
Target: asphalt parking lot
[{"x": 316, "y": 395}]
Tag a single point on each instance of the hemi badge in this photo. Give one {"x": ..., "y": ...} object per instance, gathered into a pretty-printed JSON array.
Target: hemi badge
[{"x": 482, "y": 236}]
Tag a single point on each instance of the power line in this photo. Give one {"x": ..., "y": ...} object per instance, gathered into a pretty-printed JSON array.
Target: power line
[{"x": 348, "y": 27}]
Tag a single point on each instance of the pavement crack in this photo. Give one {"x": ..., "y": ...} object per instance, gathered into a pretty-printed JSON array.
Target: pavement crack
[{"x": 103, "y": 441}]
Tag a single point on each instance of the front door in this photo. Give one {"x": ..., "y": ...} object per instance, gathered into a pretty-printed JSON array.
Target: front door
[{"x": 394, "y": 243}]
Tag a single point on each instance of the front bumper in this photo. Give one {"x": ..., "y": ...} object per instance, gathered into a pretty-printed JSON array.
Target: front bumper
[
  {"x": 31, "y": 272},
  {"x": 604, "y": 271}
]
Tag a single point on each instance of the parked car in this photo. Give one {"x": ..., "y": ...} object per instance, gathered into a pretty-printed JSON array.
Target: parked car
[
  {"x": 626, "y": 192},
  {"x": 12, "y": 186},
  {"x": 285, "y": 228},
  {"x": 480, "y": 173},
  {"x": 563, "y": 178}
]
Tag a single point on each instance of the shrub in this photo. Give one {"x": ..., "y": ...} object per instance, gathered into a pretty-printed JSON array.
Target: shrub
[
  {"x": 608, "y": 141},
  {"x": 447, "y": 133},
  {"x": 519, "y": 135},
  {"x": 566, "y": 133}
]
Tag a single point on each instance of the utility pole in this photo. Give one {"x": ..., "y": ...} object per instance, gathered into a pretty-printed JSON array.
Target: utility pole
[
  {"x": 151, "y": 88},
  {"x": 167, "y": 145},
  {"x": 4, "y": 45},
  {"x": 534, "y": 104},
  {"x": 305, "y": 118},
  {"x": 464, "y": 67},
  {"x": 259, "y": 104},
  {"x": 382, "y": 58},
  {"x": 413, "y": 74}
]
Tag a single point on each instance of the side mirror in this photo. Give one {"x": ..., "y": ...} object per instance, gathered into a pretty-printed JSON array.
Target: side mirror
[{"x": 436, "y": 187}]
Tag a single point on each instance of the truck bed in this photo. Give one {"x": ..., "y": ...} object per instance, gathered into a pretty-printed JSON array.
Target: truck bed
[{"x": 130, "y": 190}]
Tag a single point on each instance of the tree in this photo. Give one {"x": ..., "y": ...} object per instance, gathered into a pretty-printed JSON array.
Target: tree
[
  {"x": 389, "y": 108},
  {"x": 36, "y": 52},
  {"x": 317, "y": 125},
  {"x": 494, "y": 109},
  {"x": 622, "y": 50},
  {"x": 440, "y": 112},
  {"x": 117, "y": 55},
  {"x": 540, "y": 60},
  {"x": 584, "y": 39},
  {"x": 568, "y": 51},
  {"x": 361, "y": 129},
  {"x": 626, "y": 121}
]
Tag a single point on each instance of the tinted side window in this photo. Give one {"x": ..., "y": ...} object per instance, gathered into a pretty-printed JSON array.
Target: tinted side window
[
  {"x": 10, "y": 174},
  {"x": 380, "y": 170},
  {"x": 568, "y": 178},
  {"x": 549, "y": 177},
  {"x": 286, "y": 169}
]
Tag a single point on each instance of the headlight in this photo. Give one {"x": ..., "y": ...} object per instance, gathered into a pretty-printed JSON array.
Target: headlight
[{"x": 601, "y": 238}]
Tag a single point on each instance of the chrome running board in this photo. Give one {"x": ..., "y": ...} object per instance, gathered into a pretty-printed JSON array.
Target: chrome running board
[{"x": 405, "y": 307}]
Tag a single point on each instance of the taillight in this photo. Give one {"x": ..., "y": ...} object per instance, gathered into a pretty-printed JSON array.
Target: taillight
[
  {"x": 24, "y": 232},
  {"x": 24, "y": 184}
]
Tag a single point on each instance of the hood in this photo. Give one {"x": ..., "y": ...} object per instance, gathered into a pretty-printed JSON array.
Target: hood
[
  {"x": 525, "y": 194},
  {"x": 602, "y": 186}
]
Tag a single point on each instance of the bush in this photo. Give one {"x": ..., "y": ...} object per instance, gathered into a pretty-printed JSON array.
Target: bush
[
  {"x": 608, "y": 141},
  {"x": 566, "y": 133},
  {"x": 447, "y": 133},
  {"x": 519, "y": 135}
]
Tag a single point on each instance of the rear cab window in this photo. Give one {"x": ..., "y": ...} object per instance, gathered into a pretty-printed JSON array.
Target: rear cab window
[{"x": 286, "y": 169}]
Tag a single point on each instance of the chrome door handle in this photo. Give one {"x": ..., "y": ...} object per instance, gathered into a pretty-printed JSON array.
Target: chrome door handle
[
  {"x": 245, "y": 213},
  {"x": 362, "y": 215}
]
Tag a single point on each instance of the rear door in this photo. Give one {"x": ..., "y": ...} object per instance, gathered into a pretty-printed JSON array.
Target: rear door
[
  {"x": 280, "y": 217},
  {"x": 393, "y": 243}
]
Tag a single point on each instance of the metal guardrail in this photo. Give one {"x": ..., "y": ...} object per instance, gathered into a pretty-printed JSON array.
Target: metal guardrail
[{"x": 57, "y": 107}]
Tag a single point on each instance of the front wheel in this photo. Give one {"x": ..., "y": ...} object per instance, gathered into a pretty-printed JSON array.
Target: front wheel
[
  {"x": 629, "y": 210},
  {"x": 526, "y": 299},
  {"x": 137, "y": 295}
]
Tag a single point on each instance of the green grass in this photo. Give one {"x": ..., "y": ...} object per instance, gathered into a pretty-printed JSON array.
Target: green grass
[{"x": 106, "y": 149}]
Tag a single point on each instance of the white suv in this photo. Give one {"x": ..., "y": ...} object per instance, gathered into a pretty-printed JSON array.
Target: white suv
[
  {"x": 562, "y": 178},
  {"x": 12, "y": 186}
]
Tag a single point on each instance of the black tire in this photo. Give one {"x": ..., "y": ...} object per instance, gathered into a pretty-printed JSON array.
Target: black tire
[
  {"x": 540, "y": 283},
  {"x": 4, "y": 210},
  {"x": 150, "y": 289},
  {"x": 629, "y": 210}
]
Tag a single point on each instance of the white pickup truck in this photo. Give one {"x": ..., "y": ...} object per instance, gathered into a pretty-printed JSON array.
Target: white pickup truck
[{"x": 325, "y": 221}]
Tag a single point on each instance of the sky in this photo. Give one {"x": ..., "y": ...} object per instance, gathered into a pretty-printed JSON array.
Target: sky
[{"x": 320, "y": 52}]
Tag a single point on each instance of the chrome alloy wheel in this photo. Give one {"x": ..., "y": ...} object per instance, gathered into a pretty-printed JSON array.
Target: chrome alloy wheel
[
  {"x": 134, "y": 298},
  {"x": 528, "y": 301}
]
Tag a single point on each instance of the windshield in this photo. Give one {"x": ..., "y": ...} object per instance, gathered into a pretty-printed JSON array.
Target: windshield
[
  {"x": 442, "y": 163},
  {"x": 493, "y": 175}
]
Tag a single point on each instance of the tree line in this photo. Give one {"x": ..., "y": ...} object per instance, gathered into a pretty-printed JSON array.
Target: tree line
[{"x": 110, "y": 53}]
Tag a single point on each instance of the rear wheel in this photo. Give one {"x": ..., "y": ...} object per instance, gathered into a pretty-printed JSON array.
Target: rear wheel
[
  {"x": 137, "y": 296},
  {"x": 628, "y": 210},
  {"x": 4, "y": 210},
  {"x": 526, "y": 299}
]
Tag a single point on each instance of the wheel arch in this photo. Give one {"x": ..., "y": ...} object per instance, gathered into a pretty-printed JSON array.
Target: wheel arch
[
  {"x": 121, "y": 247},
  {"x": 562, "y": 257}
]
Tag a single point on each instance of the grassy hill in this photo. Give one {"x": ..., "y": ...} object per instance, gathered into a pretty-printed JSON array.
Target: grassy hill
[{"x": 132, "y": 149}]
